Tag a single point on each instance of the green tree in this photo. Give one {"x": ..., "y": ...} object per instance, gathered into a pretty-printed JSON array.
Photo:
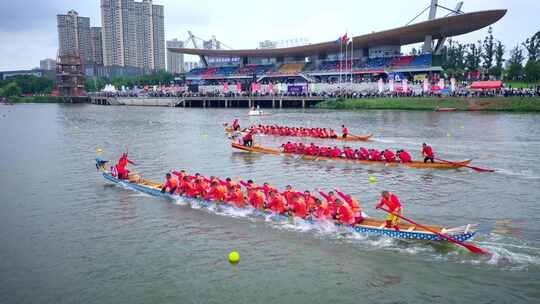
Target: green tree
[
  {"x": 11, "y": 89},
  {"x": 497, "y": 70},
  {"x": 488, "y": 50},
  {"x": 532, "y": 71},
  {"x": 93, "y": 84},
  {"x": 473, "y": 55},
  {"x": 515, "y": 64},
  {"x": 532, "y": 45}
]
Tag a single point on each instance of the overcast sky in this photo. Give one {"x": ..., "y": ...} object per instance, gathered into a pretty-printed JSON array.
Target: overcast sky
[{"x": 28, "y": 27}]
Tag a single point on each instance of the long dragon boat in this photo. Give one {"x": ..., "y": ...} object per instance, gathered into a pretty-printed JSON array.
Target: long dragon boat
[
  {"x": 350, "y": 137},
  {"x": 413, "y": 164},
  {"x": 367, "y": 226}
]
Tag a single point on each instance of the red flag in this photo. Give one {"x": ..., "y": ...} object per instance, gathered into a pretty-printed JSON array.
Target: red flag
[{"x": 226, "y": 87}]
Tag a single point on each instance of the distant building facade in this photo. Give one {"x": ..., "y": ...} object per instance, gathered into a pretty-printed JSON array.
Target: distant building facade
[
  {"x": 175, "y": 61},
  {"x": 96, "y": 44},
  {"x": 74, "y": 35},
  {"x": 133, "y": 34},
  {"x": 190, "y": 65},
  {"x": 47, "y": 64}
]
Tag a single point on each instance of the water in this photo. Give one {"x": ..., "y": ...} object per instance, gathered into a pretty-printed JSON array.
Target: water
[{"x": 67, "y": 236}]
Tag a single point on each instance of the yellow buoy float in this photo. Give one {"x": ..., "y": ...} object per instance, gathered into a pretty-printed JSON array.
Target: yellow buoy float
[
  {"x": 234, "y": 257},
  {"x": 372, "y": 179}
]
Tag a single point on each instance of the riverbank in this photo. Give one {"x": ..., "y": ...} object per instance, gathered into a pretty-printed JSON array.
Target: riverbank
[
  {"x": 37, "y": 99},
  {"x": 511, "y": 104}
]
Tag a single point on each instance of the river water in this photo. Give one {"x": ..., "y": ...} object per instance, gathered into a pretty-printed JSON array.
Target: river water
[{"x": 67, "y": 236}]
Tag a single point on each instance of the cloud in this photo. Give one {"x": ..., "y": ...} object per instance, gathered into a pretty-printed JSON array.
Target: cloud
[{"x": 25, "y": 24}]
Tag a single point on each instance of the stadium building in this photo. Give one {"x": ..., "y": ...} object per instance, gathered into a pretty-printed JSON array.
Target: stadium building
[{"x": 347, "y": 60}]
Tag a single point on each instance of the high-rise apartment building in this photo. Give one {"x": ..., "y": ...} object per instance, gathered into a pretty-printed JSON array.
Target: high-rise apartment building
[
  {"x": 47, "y": 64},
  {"x": 133, "y": 34},
  {"x": 96, "y": 44},
  {"x": 77, "y": 38},
  {"x": 175, "y": 61},
  {"x": 74, "y": 35},
  {"x": 158, "y": 21}
]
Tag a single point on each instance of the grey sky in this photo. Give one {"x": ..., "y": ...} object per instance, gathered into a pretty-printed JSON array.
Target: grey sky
[{"x": 28, "y": 27}]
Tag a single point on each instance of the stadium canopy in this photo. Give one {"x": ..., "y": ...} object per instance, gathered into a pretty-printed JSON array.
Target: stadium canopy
[
  {"x": 487, "y": 85},
  {"x": 438, "y": 28}
]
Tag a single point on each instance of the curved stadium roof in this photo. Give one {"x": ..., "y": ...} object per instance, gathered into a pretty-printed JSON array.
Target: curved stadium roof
[{"x": 415, "y": 33}]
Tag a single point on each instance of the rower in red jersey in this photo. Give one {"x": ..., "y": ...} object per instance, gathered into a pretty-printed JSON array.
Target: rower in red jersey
[
  {"x": 249, "y": 184},
  {"x": 310, "y": 201},
  {"x": 392, "y": 203},
  {"x": 170, "y": 185},
  {"x": 217, "y": 192},
  {"x": 188, "y": 187},
  {"x": 375, "y": 155},
  {"x": 256, "y": 198},
  {"x": 330, "y": 197},
  {"x": 266, "y": 188},
  {"x": 428, "y": 153},
  {"x": 349, "y": 153},
  {"x": 323, "y": 133},
  {"x": 404, "y": 156},
  {"x": 248, "y": 139},
  {"x": 389, "y": 156},
  {"x": 180, "y": 174},
  {"x": 277, "y": 203},
  {"x": 312, "y": 149},
  {"x": 324, "y": 211},
  {"x": 288, "y": 147},
  {"x": 289, "y": 193},
  {"x": 344, "y": 131},
  {"x": 236, "y": 124},
  {"x": 363, "y": 154},
  {"x": 355, "y": 206},
  {"x": 344, "y": 213},
  {"x": 298, "y": 206},
  {"x": 300, "y": 148},
  {"x": 235, "y": 196},
  {"x": 336, "y": 152},
  {"x": 332, "y": 134}
]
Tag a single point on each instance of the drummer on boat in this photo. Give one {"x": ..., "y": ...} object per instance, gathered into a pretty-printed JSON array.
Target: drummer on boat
[
  {"x": 121, "y": 166},
  {"x": 344, "y": 131},
  {"x": 392, "y": 204},
  {"x": 428, "y": 153}
]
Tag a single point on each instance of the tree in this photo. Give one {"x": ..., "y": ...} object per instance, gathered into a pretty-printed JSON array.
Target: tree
[
  {"x": 10, "y": 89},
  {"x": 93, "y": 84},
  {"x": 532, "y": 45},
  {"x": 488, "y": 50},
  {"x": 499, "y": 60},
  {"x": 472, "y": 58},
  {"x": 532, "y": 71},
  {"x": 515, "y": 67}
]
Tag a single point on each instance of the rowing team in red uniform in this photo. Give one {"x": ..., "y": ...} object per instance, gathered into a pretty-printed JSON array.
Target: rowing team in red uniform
[
  {"x": 334, "y": 205},
  {"x": 299, "y": 131},
  {"x": 347, "y": 152}
]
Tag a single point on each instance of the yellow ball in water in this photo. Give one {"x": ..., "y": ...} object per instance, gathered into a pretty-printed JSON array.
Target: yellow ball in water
[
  {"x": 373, "y": 179},
  {"x": 234, "y": 257}
]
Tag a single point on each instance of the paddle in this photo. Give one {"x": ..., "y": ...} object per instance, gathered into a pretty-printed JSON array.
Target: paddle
[
  {"x": 469, "y": 246},
  {"x": 477, "y": 169}
]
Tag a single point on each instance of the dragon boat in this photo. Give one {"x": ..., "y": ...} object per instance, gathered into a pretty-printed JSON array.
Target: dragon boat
[
  {"x": 367, "y": 226},
  {"x": 413, "y": 164}
]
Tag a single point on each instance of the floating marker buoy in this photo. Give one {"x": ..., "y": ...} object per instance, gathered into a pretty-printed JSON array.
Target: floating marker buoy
[
  {"x": 448, "y": 134},
  {"x": 234, "y": 257},
  {"x": 373, "y": 179},
  {"x": 99, "y": 151}
]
